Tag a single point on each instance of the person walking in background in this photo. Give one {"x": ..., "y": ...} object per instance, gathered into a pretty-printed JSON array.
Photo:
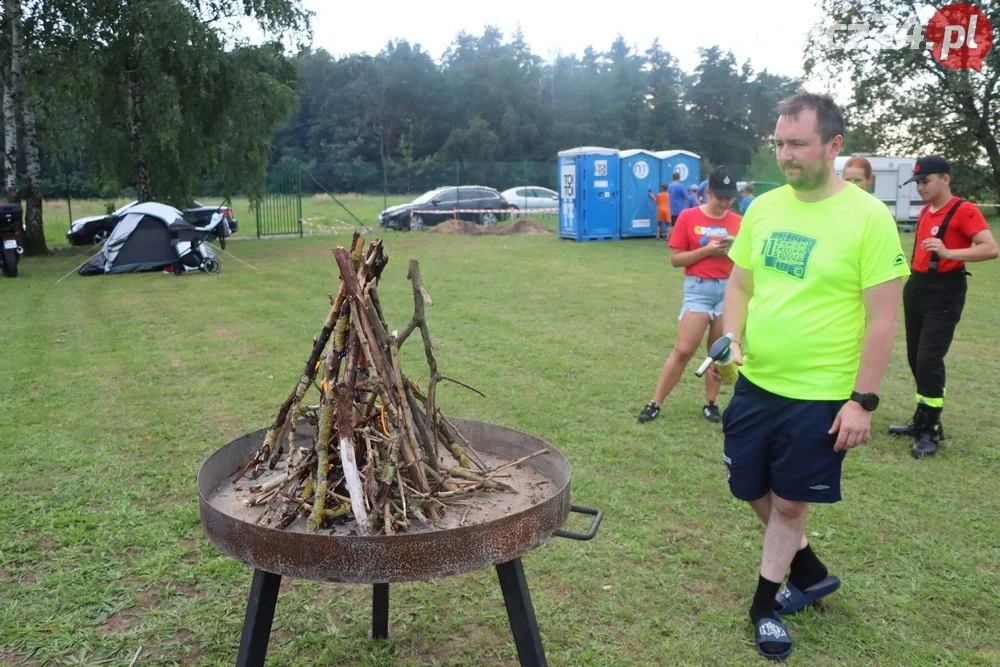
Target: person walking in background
[
  {"x": 678, "y": 196},
  {"x": 693, "y": 197},
  {"x": 702, "y": 192},
  {"x": 663, "y": 217},
  {"x": 747, "y": 198},
  {"x": 950, "y": 232},
  {"x": 699, "y": 243}
]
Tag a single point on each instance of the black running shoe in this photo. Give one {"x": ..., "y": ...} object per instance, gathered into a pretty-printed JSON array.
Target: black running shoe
[
  {"x": 711, "y": 412},
  {"x": 649, "y": 413}
]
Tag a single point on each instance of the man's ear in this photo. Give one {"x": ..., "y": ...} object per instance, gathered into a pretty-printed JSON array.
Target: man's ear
[{"x": 835, "y": 145}]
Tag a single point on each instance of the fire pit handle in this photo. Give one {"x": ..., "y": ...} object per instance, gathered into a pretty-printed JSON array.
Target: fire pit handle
[{"x": 596, "y": 513}]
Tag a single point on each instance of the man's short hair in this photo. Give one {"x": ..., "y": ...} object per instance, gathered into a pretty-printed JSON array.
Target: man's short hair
[
  {"x": 677, "y": 175},
  {"x": 829, "y": 117},
  {"x": 748, "y": 188}
]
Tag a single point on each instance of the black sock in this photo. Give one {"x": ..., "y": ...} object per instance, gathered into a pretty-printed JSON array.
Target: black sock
[
  {"x": 763, "y": 607},
  {"x": 763, "y": 599},
  {"x": 807, "y": 569}
]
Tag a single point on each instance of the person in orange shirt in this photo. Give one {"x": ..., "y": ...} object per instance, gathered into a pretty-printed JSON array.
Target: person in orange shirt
[{"x": 663, "y": 216}]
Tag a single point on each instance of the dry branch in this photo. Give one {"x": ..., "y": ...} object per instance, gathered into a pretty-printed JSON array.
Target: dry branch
[{"x": 374, "y": 455}]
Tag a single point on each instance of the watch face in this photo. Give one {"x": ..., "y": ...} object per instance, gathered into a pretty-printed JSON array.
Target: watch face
[{"x": 871, "y": 402}]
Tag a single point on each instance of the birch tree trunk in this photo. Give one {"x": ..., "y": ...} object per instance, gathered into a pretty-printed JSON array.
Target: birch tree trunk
[
  {"x": 10, "y": 145},
  {"x": 34, "y": 235},
  {"x": 12, "y": 8}
]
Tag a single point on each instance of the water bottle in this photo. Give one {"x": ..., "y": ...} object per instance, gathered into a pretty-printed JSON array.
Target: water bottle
[{"x": 721, "y": 354}]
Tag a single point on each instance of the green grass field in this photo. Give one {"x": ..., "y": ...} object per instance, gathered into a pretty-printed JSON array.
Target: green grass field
[{"x": 114, "y": 390}]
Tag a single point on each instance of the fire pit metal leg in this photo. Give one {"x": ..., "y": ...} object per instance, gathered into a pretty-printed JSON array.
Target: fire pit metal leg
[
  {"x": 380, "y": 611},
  {"x": 260, "y": 615},
  {"x": 521, "y": 614}
]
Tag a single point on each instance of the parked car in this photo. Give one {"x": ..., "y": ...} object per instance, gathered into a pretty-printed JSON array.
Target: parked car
[
  {"x": 96, "y": 229},
  {"x": 475, "y": 203},
  {"x": 531, "y": 197}
]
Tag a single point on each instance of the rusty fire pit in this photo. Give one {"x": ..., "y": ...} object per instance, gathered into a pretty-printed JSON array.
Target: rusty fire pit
[{"x": 381, "y": 559}]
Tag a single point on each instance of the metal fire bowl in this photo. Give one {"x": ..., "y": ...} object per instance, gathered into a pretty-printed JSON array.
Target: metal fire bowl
[{"x": 381, "y": 558}]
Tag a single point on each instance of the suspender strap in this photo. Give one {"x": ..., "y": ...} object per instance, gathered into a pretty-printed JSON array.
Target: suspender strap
[{"x": 932, "y": 264}]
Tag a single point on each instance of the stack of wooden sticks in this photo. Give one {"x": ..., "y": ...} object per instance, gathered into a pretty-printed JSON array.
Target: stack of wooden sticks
[{"x": 377, "y": 438}]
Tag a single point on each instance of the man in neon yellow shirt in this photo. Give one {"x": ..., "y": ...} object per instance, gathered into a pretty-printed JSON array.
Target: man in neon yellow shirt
[{"x": 813, "y": 298}]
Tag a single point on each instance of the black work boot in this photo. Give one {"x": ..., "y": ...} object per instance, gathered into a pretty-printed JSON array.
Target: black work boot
[
  {"x": 927, "y": 425},
  {"x": 908, "y": 430}
]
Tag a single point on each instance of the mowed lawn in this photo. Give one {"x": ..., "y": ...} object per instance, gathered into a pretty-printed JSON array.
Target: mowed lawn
[{"x": 114, "y": 390}]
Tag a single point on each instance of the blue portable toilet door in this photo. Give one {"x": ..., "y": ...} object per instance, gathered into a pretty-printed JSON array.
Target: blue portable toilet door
[
  {"x": 570, "y": 221},
  {"x": 684, "y": 163},
  {"x": 640, "y": 177},
  {"x": 599, "y": 187}
]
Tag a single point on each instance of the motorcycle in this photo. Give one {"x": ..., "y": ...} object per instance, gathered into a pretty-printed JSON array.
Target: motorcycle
[{"x": 11, "y": 216}]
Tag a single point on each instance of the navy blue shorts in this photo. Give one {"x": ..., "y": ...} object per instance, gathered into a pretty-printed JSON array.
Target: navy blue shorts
[{"x": 781, "y": 444}]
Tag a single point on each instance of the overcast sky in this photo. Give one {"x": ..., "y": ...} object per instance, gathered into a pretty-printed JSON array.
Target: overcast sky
[{"x": 770, "y": 33}]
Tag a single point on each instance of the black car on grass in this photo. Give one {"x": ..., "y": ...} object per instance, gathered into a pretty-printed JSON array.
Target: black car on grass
[
  {"x": 476, "y": 203},
  {"x": 96, "y": 229}
]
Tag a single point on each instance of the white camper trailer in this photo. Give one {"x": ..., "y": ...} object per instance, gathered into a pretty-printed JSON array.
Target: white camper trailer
[{"x": 890, "y": 173}]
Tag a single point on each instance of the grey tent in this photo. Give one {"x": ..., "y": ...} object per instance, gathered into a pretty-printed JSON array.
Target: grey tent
[{"x": 146, "y": 239}]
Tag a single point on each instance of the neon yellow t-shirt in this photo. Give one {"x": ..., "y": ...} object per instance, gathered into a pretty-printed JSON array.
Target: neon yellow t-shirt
[{"x": 810, "y": 262}]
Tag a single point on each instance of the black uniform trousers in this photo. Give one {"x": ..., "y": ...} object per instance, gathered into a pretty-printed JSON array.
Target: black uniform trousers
[{"x": 932, "y": 307}]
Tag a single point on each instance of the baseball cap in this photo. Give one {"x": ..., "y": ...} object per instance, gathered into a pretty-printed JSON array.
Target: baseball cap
[
  {"x": 693, "y": 188},
  {"x": 927, "y": 165},
  {"x": 722, "y": 183}
]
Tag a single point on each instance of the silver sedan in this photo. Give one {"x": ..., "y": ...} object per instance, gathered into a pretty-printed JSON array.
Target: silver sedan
[{"x": 529, "y": 197}]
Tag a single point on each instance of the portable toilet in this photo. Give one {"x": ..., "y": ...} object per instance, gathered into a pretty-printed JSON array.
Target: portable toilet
[
  {"x": 640, "y": 176},
  {"x": 686, "y": 163},
  {"x": 588, "y": 194}
]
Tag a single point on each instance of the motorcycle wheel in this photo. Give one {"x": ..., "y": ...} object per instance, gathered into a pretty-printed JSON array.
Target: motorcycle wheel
[{"x": 9, "y": 263}]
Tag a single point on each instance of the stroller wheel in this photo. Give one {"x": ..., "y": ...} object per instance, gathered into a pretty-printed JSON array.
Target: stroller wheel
[{"x": 212, "y": 266}]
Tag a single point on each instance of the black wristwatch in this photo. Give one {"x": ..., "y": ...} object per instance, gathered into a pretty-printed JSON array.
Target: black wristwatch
[{"x": 868, "y": 401}]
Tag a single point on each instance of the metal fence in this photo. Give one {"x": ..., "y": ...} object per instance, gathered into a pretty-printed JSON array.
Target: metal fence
[
  {"x": 416, "y": 176},
  {"x": 280, "y": 209}
]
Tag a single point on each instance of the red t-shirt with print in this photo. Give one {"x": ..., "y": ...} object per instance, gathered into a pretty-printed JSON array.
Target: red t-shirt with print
[
  {"x": 966, "y": 223},
  {"x": 693, "y": 229}
]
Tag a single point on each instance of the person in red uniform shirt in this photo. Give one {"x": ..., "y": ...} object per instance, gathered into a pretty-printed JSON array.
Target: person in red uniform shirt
[
  {"x": 950, "y": 232},
  {"x": 700, "y": 243}
]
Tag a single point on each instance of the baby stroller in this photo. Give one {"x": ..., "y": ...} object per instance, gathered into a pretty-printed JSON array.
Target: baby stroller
[{"x": 194, "y": 252}]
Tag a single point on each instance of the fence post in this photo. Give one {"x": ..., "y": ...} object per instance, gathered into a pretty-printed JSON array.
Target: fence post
[
  {"x": 298, "y": 193},
  {"x": 69, "y": 204},
  {"x": 385, "y": 186},
  {"x": 520, "y": 212}
]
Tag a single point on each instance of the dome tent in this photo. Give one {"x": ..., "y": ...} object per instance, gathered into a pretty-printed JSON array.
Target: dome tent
[{"x": 146, "y": 239}]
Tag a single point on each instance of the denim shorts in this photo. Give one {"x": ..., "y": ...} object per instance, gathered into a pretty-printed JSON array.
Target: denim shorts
[{"x": 703, "y": 295}]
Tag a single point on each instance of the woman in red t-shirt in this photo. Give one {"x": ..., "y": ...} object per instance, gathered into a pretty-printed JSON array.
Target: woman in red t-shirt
[{"x": 700, "y": 243}]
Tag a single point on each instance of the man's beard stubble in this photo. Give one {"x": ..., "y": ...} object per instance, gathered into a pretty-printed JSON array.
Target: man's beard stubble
[{"x": 809, "y": 179}]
